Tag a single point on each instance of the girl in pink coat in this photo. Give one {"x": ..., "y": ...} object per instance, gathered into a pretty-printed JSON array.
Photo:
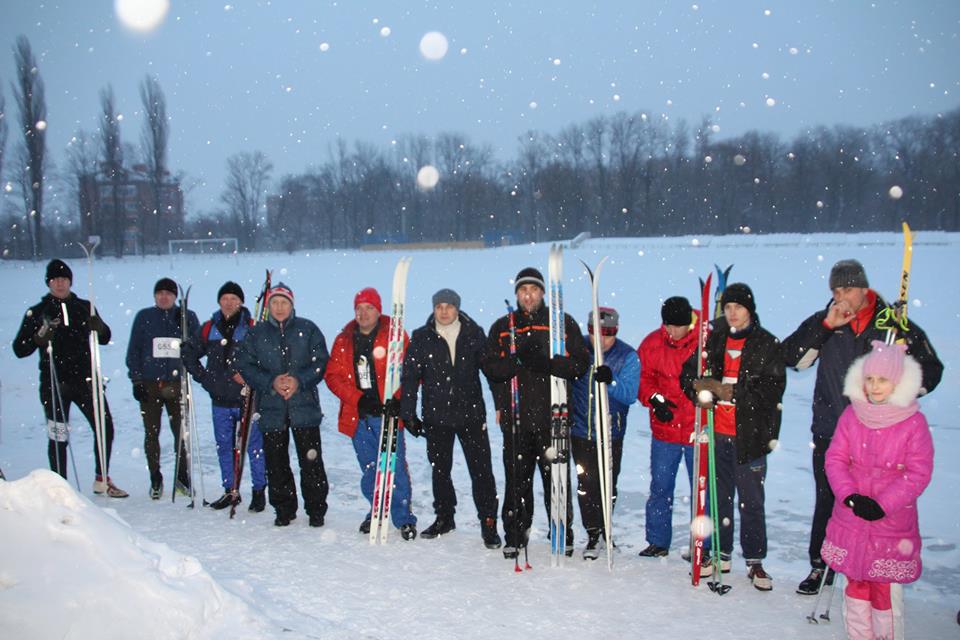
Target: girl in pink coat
[{"x": 880, "y": 460}]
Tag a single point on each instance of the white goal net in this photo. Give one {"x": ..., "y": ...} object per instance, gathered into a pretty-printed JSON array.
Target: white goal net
[{"x": 202, "y": 246}]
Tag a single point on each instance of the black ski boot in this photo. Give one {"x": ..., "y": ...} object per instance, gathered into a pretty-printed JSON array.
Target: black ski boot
[
  {"x": 653, "y": 551},
  {"x": 316, "y": 520},
  {"x": 228, "y": 499},
  {"x": 811, "y": 584},
  {"x": 365, "y": 526},
  {"x": 283, "y": 518},
  {"x": 592, "y": 550},
  {"x": 488, "y": 530},
  {"x": 408, "y": 531},
  {"x": 442, "y": 525},
  {"x": 258, "y": 501}
]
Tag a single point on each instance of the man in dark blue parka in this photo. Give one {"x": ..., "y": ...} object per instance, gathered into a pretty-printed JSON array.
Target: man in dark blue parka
[{"x": 283, "y": 360}]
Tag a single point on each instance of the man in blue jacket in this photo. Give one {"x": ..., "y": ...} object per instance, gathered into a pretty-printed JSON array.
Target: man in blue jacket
[
  {"x": 621, "y": 373},
  {"x": 218, "y": 341},
  {"x": 283, "y": 360},
  {"x": 153, "y": 364},
  {"x": 444, "y": 358}
]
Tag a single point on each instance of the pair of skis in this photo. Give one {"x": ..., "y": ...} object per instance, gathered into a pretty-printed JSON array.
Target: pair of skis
[
  {"x": 704, "y": 442},
  {"x": 96, "y": 373},
  {"x": 248, "y": 414},
  {"x": 893, "y": 319},
  {"x": 389, "y": 427},
  {"x": 186, "y": 442},
  {"x": 599, "y": 399},
  {"x": 558, "y": 453}
]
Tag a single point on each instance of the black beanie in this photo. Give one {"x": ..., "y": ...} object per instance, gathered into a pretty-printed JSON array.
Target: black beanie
[
  {"x": 166, "y": 284},
  {"x": 529, "y": 276},
  {"x": 676, "y": 311},
  {"x": 57, "y": 268},
  {"x": 741, "y": 294},
  {"x": 230, "y": 287}
]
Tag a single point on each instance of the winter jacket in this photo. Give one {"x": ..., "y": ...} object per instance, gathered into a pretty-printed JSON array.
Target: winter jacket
[
  {"x": 759, "y": 389},
  {"x": 836, "y": 350},
  {"x": 295, "y": 347},
  {"x": 532, "y": 333},
  {"x": 341, "y": 376},
  {"x": 71, "y": 340},
  {"x": 622, "y": 392},
  {"x": 452, "y": 395},
  {"x": 890, "y": 464},
  {"x": 661, "y": 360},
  {"x": 150, "y": 327},
  {"x": 217, "y": 376}
]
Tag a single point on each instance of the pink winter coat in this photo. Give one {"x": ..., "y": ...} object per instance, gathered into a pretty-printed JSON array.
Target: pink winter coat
[{"x": 890, "y": 463}]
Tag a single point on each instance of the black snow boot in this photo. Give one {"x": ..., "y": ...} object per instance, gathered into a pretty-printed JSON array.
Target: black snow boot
[
  {"x": 442, "y": 525},
  {"x": 365, "y": 526},
  {"x": 283, "y": 518},
  {"x": 488, "y": 530},
  {"x": 316, "y": 520},
  {"x": 811, "y": 584},
  {"x": 258, "y": 501},
  {"x": 228, "y": 499},
  {"x": 592, "y": 550},
  {"x": 653, "y": 551},
  {"x": 408, "y": 531}
]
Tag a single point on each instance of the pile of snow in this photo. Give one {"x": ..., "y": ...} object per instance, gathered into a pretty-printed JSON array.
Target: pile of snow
[{"x": 71, "y": 569}]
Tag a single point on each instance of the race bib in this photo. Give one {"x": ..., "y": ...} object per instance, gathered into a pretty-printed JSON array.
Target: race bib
[
  {"x": 363, "y": 373},
  {"x": 166, "y": 347}
]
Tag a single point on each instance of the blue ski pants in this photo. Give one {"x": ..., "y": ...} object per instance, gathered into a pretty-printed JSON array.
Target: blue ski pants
[
  {"x": 366, "y": 444},
  {"x": 665, "y": 459},
  {"x": 226, "y": 420}
]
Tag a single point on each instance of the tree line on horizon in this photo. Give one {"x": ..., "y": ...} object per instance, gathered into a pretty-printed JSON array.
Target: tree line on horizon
[{"x": 628, "y": 174}]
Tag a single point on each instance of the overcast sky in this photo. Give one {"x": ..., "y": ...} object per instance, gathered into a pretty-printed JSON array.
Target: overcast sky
[{"x": 288, "y": 78}]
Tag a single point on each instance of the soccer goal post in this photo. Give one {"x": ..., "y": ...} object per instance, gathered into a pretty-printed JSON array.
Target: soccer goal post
[{"x": 202, "y": 246}]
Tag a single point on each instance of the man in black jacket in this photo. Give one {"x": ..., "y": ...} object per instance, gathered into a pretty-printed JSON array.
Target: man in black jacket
[
  {"x": 444, "y": 358},
  {"x": 533, "y": 366},
  {"x": 59, "y": 328},
  {"x": 836, "y": 336}
]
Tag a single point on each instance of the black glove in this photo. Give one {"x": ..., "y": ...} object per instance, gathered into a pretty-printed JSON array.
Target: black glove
[
  {"x": 96, "y": 324},
  {"x": 532, "y": 357},
  {"x": 139, "y": 391},
  {"x": 603, "y": 374},
  {"x": 864, "y": 507},
  {"x": 414, "y": 426},
  {"x": 391, "y": 408},
  {"x": 662, "y": 407},
  {"x": 45, "y": 333},
  {"x": 367, "y": 406}
]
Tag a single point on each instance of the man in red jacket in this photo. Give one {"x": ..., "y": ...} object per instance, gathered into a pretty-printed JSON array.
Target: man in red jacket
[
  {"x": 662, "y": 354},
  {"x": 356, "y": 374}
]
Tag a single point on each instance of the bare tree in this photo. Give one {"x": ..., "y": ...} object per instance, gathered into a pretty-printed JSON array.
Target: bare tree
[
  {"x": 3, "y": 129},
  {"x": 154, "y": 141},
  {"x": 111, "y": 164},
  {"x": 245, "y": 191},
  {"x": 31, "y": 100},
  {"x": 81, "y": 167}
]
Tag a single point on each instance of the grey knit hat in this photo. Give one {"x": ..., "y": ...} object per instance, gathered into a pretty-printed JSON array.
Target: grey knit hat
[
  {"x": 848, "y": 273},
  {"x": 447, "y": 296}
]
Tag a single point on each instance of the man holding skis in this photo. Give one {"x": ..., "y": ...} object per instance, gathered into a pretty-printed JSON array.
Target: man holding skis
[
  {"x": 218, "y": 341},
  {"x": 356, "y": 375},
  {"x": 59, "y": 327},
  {"x": 444, "y": 358},
  {"x": 836, "y": 336},
  {"x": 525, "y": 444},
  {"x": 153, "y": 364},
  {"x": 620, "y": 371}
]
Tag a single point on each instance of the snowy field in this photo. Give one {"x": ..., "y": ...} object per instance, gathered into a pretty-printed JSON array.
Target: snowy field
[{"x": 75, "y": 566}]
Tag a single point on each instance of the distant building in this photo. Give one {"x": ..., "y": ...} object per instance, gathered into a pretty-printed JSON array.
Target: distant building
[{"x": 128, "y": 224}]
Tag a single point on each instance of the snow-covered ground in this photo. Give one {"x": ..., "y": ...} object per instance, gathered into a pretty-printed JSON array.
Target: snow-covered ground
[{"x": 78, "y": 566}]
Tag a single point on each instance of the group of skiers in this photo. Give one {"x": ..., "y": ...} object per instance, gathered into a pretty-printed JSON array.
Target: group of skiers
[{"x": 871, "y": 446}]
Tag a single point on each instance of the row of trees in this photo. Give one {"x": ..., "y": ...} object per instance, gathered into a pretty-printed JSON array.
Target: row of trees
[
  {"x": 629, "y": 175},
  {"x": 623, "y": 175},
  {"x": 102, "y": 155}
]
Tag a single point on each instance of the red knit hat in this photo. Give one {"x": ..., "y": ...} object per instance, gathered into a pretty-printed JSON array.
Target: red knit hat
[
  {"x": 280, "y": 290},
  {"x": 370, "y": 296}
]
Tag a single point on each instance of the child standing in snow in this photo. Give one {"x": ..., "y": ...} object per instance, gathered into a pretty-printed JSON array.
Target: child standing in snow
[{"x": 881, "y": 460}]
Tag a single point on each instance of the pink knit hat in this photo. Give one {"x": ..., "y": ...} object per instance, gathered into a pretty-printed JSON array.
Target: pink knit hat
[{"x": 885, "y": 361}]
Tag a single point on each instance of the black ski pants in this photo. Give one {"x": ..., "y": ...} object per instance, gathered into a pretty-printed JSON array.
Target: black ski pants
[
  {"x": 282, "y": 488},
  {"x": 76, "y": 392},
  {"x": 475, "y": 443},
  {"x": 162, "y": 395},
  {"x": 519, "y": 464},
  {"x": 823, "y": 506},
  {"x": 588, "y": 479},
  {"x": 745, "y": 482}
]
